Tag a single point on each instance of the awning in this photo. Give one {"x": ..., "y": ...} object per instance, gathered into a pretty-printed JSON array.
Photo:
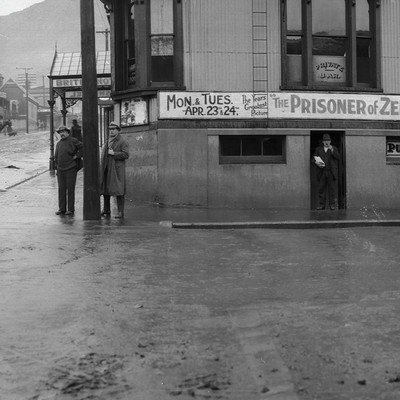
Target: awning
[{"x": 66, "y": 73}]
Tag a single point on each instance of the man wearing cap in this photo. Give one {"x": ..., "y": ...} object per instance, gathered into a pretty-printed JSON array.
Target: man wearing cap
[
  {"x": 113, "y": 156},
  {"x": 68, "y": 150},
  {"x": 326, "y": 159}
]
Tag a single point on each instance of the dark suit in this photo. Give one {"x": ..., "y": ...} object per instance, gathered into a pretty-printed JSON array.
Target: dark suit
[{"x": 327, "y": 176}]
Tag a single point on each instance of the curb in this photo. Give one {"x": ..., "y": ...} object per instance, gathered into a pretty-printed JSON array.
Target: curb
[
  {"x": 24, "y": 180},
  {"x": 282, "y": 224}
]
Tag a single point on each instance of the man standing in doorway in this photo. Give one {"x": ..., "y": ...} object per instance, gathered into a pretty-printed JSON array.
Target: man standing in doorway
[
  {"x": 326, "y": 159},
  {"x": 76, "y": 130}
]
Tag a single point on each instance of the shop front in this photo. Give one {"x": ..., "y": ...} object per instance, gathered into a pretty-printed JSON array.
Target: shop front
[{"x": 255, "y": 150}]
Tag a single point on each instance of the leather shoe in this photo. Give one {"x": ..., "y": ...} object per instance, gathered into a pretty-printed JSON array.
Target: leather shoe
[
  {"x": 332, "y": 208},
  {"x": 105, "y": 212},
  {"x": 59, "y": 212},
  {"x": 69, "y": 213},
  {"x": 320, "y": 208}
]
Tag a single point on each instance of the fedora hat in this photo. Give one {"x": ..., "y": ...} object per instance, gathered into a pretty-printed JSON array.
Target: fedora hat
[
  {"x": 326, "y": 136},
  {"x": 62, "y": 128},
  {"x": 114, "y": 125}
]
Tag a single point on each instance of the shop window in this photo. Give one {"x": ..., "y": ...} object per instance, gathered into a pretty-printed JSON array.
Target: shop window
[
  {"x": 330, "y": 44},
  {"x": 251, "y": 149},
  {"x": 393, "y": 149}
]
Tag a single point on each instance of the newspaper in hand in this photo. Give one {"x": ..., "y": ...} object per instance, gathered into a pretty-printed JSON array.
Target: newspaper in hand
[{"x": 319, "y": 162}]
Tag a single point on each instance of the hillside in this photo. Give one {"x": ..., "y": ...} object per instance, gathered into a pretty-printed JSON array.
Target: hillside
[{"x": 28, "y": 38}]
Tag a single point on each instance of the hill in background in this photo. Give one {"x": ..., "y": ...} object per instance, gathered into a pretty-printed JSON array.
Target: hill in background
[{"x": 28, "y": 38}]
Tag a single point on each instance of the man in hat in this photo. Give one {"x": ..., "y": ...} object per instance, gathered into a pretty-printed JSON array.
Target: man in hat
[
  {"x": 326, "y": 159},
  {"x": 68, "y": 150},
  {"x": 113, "y": 156}
]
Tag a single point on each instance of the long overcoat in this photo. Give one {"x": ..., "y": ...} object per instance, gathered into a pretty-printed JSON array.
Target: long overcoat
[{"x": 112, "y": 179}]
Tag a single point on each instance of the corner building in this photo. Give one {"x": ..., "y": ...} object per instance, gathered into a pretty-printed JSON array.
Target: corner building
[{"x": 224, "y": 101}]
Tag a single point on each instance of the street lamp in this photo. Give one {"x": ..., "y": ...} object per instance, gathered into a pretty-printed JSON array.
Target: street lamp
[{"x": 27, "y": 96}]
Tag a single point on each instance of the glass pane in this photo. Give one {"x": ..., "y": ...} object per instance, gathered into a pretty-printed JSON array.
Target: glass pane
[
  {"x": 294, "y": 68},
  {"x": 362, "y": 18},
  {"x": 162, "y": 45},
  {"x": 162, "y": 17},
  {"x": 230, "y": 145},
  {"x": 293, "y": 59},
  {"x": 162, "y": 60},
  {"x": 251, "y": 146},
  {"x": 272, "y": 146},
  {"x": 294, "y": 16},
  {"x": 363, "y": 60},
  {"x": 330, "y": 46},
  {"x": 130, "y": 42},
  {"x": 329, "y": 69},
  {"x": 294, "y": 45},
  {"x": 329, "y": 17}
]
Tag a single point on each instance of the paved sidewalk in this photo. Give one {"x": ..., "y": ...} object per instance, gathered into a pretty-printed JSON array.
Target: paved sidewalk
[
  {"x": 38, "y": 198},
  {"x": 23, "y": 157}
]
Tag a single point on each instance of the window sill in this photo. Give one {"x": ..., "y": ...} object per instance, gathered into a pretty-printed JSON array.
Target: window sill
[
  {"x": 223, "y": 160},
  {"x": 329, "y": 88}
]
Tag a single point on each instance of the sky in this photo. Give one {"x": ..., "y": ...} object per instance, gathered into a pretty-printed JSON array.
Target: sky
[{"x": 10, "y": 6}]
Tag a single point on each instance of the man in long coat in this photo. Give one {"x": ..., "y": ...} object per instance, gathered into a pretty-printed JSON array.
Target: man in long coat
[
  {"x": 113, "y": 182},
  {"x": 326, "y": 159}
]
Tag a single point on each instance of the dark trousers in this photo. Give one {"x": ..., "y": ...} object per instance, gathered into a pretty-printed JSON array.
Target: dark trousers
[
  {"x": 120, "y": 203},
  {"x": 66, "y": 189},
  {"x": 327, "y": 183}
]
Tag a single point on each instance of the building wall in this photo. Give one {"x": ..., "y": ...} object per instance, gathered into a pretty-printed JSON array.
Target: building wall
[
  {"x": 390, "y": 46},
  {"x": 261, "y": 185},
  {"x": 188, "y": 171},
  {"x": 370, "y": 181},
  {"x": 141, "y": 168},
  {"x": 230, "y": 46}
]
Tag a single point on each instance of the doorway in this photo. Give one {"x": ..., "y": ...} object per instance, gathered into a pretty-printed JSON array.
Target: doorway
[{"x": 338, "y": 140}]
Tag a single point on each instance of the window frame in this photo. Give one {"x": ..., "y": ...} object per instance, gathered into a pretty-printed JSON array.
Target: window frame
[
  {"x": 252, "y": 159},
  {"x": 143, "y": 48},
  {"x": 351, "y": 83}
]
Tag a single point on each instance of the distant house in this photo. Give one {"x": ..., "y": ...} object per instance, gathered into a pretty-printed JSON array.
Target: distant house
[
  {"x": 17, "y": 112},
  {"x": 41, "y": 94},
  {"x": 4, "y": 103}
]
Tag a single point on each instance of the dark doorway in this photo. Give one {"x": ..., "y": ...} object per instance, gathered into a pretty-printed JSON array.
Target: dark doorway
[{"x": 338, "y": 140}]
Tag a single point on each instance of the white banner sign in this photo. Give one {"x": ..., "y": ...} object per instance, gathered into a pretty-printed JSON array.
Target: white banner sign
[
  {"x": 279, "y": 105},
  {"x": 189, "y": 105},
  {"x": 77, "y": 82}
]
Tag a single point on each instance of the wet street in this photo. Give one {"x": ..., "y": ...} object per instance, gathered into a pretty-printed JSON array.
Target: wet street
[{"x": 136, "y": 310}]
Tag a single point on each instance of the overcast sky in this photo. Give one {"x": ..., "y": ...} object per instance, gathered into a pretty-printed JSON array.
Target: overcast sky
[{"x": 10, "y": 6}]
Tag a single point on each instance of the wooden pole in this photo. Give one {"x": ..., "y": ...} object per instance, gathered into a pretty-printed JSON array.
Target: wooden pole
[{"x": 91, "y": 191}]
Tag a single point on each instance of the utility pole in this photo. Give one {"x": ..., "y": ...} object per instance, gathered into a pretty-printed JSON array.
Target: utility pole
[
  {"x": 106, "y": 32},
  {"x": 91, "y": 190},
  {"x": 27, "y": 96},
  {"x": 44, "y": 92}
]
